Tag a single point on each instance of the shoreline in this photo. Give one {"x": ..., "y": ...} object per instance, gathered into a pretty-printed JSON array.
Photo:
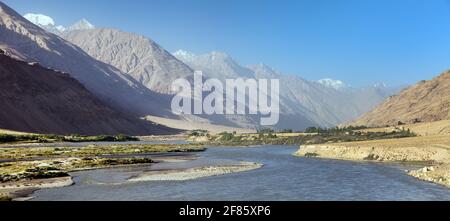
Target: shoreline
[
  {"x": 25, "y": 170},
  {"x": 432, "y": 151},
  {"x": 194, "y": 173},
  {"x": 20, "y": 190}
]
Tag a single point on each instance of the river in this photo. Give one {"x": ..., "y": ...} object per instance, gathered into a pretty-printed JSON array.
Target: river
[{"x": 283, "y": 177}]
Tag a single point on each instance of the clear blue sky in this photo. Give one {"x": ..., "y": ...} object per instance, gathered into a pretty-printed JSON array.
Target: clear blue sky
[{"x": 358, "y": 41}]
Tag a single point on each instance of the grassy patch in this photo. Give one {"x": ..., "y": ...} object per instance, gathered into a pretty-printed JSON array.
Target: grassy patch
[
  {"x": 94, "y": 150},
  {"x": 28, "y": 170},
  {"x": 50, "y": 138},
  {"x": 5, "y": 198},
  {"x": 316, "y": 136}
]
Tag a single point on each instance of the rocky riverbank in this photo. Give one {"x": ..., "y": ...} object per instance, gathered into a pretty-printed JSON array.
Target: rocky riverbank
[
  {"x": 437, "y": 174},
  {"x": 433, "y": 151},
  {"x": 21, "y": 178},
  {"x": 20, "y": 190}
]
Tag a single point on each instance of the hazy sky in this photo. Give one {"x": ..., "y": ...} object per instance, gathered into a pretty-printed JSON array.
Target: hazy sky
[{"x": 358, "y": 41}]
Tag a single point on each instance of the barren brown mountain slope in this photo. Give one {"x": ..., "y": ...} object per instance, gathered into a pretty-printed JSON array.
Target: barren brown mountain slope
[
  {"x": 40, "y": 100},
  {"x": 427, "y": 101}
]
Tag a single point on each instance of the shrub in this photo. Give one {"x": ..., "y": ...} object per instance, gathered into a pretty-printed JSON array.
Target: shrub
[
  {"x": 287, "y": 131},
  {"x": 225, "y": 136},
  {"x": 199, "y": 133},
  {"x": 266, "y": 131}
]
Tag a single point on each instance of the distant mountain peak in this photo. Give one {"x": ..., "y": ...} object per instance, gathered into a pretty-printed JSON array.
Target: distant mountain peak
[
  {"x": 46, "y": 22},
  {"x": 220, "y": 54},
  {"x": 331, "y": 83},
  {"x": 184, "y": 55},
  {"x": 380, "y": 85},
  {"x": 264, "y": 70},
  {"x": 40, "y": 19},
  {"x": 83, "y": 24}
]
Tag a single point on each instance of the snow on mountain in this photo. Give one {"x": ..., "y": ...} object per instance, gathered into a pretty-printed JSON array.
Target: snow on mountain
[
  {"x": 60, "y": 28},
  {"x": 47, "y": 23},
  {"x": 39, "y": 19},
  {"x": 326, "y": 103},
  {"x": 185, "y": 55},
  {"x": 214, "y": 64},
  {"x": 331, "y": 83},
  {"x": 83, "y": 24},
  {"x": 303, "y": 103},
  {"x": 23, "y": 40}
]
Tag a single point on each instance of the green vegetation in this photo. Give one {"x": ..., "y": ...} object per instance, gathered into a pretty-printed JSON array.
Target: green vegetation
[
  {"x": 333, "y": 130},
  {"x": 95, "y": 150},
  {"x": 29, "y": 170},
  {"x": 265, "y": 131},
  {"x": 199, "y": 133},
  {"x": 5, "y": 198},
  {"x": 102, "y": 138},
  {"x": 287, "y": 131},
  {"x": 50, "y": 138},
  {"x": 51, "y": 162},
  {"x": 312, "y": 136},
  {"x": 225, "y": 136}
]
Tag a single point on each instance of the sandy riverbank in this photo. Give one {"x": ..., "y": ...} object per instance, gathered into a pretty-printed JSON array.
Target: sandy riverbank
[
  {"x": 431, "y": 150},
  {"x": 194, "y": 173},
  {"x": 21, "y": 189}
]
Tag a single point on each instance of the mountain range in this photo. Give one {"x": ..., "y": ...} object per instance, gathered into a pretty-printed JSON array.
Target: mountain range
[
  {"x": 41, "y": 100},
  {"x": 132, "y": 74},
  {"x": 303, "y": 103},
  {"x": 22, "y": 40},
  {"x": 49, "y": 24}
]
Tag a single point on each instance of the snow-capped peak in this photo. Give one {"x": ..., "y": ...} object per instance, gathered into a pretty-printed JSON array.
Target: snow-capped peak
[
  {"x": 183, "y": 53},
  {"x": 40, "y": 19},
  {"x": 45, "y": 22},
  {"x": 83, "y": 24},
  {"x": 331, "y": 83},
  {"x": 60, "y": 28}
]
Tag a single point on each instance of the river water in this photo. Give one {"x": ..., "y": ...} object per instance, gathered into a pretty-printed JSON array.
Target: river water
[{"x": 283, "y": 177}]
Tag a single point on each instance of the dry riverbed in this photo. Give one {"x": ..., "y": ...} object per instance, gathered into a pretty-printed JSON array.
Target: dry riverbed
[{"x": 431, "y": 150}]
